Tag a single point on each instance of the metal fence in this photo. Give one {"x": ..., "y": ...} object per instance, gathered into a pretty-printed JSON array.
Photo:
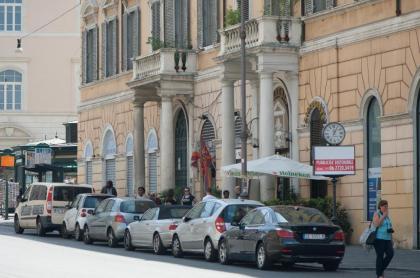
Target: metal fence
[{"x": 13, "y": 193}]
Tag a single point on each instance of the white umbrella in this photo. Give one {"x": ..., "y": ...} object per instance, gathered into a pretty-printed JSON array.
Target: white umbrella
[{"x": 275, "y": 165}]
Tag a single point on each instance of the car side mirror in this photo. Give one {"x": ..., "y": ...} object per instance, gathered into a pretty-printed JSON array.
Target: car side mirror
[{"x": 186, "y": 219}]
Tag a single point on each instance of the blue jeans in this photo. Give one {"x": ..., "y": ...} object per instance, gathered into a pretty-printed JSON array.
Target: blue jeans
[{"x": 384, "y": 254}]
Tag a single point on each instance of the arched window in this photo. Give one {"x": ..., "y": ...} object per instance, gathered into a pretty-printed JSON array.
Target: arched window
[
  {"x": 152, "y": 147},
  {"x": 318, "y": 187},
  {"x": 10, "y": 90},
  {"x": 181, "y": 150},
  {"x": 109, "y": 151},
  {"x": 88, "y": 163},
  {"x": 373, "y": 132},
  {"x": 130, "y": 165},
  {"x": 208, "y": 153}
]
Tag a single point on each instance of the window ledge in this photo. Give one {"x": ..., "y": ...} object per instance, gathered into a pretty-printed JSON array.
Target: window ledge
[
  {"x": 210, "y": 48},
  {"x": 109, "y": 78}
]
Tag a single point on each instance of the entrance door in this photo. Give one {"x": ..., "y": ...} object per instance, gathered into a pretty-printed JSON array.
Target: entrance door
[{"x": 181, "y": 149}]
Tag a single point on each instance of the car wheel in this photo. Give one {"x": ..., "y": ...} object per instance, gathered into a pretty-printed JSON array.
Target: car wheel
[
  {"x": 157, "y": 245},
  {"x": 262, "y": 260},
  {"x": 112, "y": 240},
  {"x": 86, "y": 236},
  {"x": 18, "y": 229},
  {"x": 223, "y": 253},
  {"x": 64, "y": 233},
  {"x": 176, "y": 247},
  {"x": 128, "y": 245},
  {"x": 78, "y": 233},
  {"x": 209, "y": 251},
  {"x": 331, "y": 266},
  {"x": 40, "y": 231}
]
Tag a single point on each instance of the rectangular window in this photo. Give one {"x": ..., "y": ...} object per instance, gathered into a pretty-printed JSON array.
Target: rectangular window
[
  {"x": 18, "y": 96},
  {"x": 90, "y": 48},
  {"x": 2, "y": 18},
  {"x": 319, "y": 5},
  {"x": 9, "y": 18},
  {"x": 110, "y": 48},
  {"x": 130, "y": 41},
  {"x": 10, "y": 15},
  {"x": 18, "y": 18},
  {"x": 9, "y": 97},
  {"x": 1, "y": 97}
]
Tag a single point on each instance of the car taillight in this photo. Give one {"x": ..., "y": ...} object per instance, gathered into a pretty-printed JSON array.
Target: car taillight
[
  {"x": 285, "y": 234},
  {"x": 119, "y": 218},
  {"x": 49, "y": 200},
  {"x": 220, "y": 225},
  {"x": 83, "y": 213},
  {"x": 339, "y": 236},
  {"x": 172, "y": 227}
]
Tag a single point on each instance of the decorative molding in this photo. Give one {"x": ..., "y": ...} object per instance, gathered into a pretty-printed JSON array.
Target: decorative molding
[
  {"x": 15, "y": 59},
  {"x": 378, "y": 29},
  {"x": 320, "y": 104},
  {"x": 99, "y": 102},
  {"x": 207, "y": 74}
]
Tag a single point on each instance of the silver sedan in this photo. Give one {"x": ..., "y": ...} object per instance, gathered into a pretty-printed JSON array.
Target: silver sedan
[
  {"x": 110, "y": 219},
  {"x": 155, "y": 229}
]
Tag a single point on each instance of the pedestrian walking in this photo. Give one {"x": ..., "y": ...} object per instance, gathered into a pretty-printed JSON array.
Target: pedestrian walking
[
  {"x": 226, "y": 194},
  {"x": 237, "y": 191},
  {"x": 141, "y": 192},
  {"x": 208, "y": 195},
  {"x": 170, "y": 198},
  {"x": 187, "y": 198},
  {"x": 383, "y": 243},
  {"x": 109, "y": 188}
]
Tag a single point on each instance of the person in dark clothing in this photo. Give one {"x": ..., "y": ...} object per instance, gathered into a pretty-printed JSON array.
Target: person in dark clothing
[
  {"x": 109, "y": 189},
  {"x": 187, "y": 199},
  {"x": 170, "y": 198},
  {"x": 226, "y": 194}
]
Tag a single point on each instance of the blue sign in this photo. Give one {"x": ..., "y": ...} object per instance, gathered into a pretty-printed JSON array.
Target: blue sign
[{"x": 374, "y": 187}]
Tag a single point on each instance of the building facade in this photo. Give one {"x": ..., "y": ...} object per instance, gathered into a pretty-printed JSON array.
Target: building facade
[
  {"x": 160, "y": 96},
  {"x": 38, "y": 84}
]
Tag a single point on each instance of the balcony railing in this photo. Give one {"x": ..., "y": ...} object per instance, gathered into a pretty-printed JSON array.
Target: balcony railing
[
  {"x": 266, "y": 30},
  {"x": 164, "y": 61}
]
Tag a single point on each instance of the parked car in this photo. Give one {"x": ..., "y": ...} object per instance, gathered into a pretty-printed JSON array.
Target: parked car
[
  {"x": 286, "y": 234},
  {"x": 43, "y": 205},
  {"x": 110, "y": 219},
  {"x": 202, "y": 226},
  {"x": 76, "y": 215},
  {"x": 155, "y": 228}
]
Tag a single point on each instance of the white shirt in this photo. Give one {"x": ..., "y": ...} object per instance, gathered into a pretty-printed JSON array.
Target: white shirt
[{"x": 208, "y": 197}]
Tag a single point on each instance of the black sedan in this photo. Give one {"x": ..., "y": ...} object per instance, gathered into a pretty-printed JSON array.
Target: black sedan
[{"x": 286, "y": 234}]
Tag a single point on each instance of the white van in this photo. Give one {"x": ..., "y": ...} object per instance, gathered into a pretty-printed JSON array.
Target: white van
[{"x": 43, "y": 205}]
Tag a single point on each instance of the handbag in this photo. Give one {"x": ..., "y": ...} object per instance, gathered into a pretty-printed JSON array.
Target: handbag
[{"x": 368, "y": 236}]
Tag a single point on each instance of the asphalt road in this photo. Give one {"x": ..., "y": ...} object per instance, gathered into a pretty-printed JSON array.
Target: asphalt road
[{"x": 29, "y": 256}]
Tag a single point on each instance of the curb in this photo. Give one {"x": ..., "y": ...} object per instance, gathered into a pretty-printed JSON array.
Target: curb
[{"x": 373, "y": 269}]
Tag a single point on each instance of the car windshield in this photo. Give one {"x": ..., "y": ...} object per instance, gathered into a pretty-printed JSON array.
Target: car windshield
[
  {"x": 133, "y": 206},
  {"x": 234, "y": 213},
  {"x": 300, "y": 215},
  {"x": 173, "y": 213},
  {"x": 68, "y": 193},
  {"x": 93, "y": 201}
]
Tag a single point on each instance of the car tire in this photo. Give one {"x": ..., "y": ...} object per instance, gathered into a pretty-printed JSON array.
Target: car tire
[
  {"x": 78, "y": 233},
  {"x": 112, "y": 240},
  {"x": 224, "y": 253},
  {"x": 40, "y": 230},
  {"x": 86, "y": 237},
  {"x": 128, "y": 245},
  {"x": 16, "y": 224},
  {"x": 63, "y": 231},
  {"x": 261, "y": 257},
  {"x": 331, "y": 266},
  {"x": 209, "y": 251},
  {"x": 158, "y": 248},
  {"x": 176, "y": 247}
]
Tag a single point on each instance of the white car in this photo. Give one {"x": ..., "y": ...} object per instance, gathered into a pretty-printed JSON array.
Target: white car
[
  {"x": 202, "y": 226},
  {"x": 75, "y": 217},
  {"x": 155, "y": 228},
  {"x": 43, "y": 205}
]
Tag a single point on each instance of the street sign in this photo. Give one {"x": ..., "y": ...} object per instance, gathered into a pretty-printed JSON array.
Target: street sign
[
  {"x": 333, "y": 161},
  {"x": 7, "y": 161}
]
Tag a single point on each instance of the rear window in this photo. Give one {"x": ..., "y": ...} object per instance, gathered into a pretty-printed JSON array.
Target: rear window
[
  {"x": 300, "y": 215},
  {"x": 68, "y": 193},
  {"x": 236, "y": 212},
  {"x": 171, "y": 213},
  {"x": 133, "y": 206},
  {"x": 93, "y": 201}
]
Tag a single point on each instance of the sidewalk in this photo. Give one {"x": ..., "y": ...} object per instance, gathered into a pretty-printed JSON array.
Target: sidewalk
[
  {"x": 357, "y": 258},
  {"x": 8, "y": 222}
]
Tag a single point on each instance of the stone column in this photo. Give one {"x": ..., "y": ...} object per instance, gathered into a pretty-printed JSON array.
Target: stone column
[
  {"x": 167, "y": 145},
  {"x": 266, "y": 138},
  {"x": 139, "y": 163},
  {"x": 254, "y": 192},
  {"x": 228, "y": 132}
]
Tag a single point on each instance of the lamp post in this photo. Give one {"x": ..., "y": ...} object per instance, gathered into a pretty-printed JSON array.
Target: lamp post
[{"x": 244, "y": 133}]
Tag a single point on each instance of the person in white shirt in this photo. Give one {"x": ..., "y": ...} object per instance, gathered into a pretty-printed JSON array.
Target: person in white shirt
[{"x": 208, "y": 196}]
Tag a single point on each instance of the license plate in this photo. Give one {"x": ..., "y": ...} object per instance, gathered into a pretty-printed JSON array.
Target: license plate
[
  {"x": 314, "y": 236},
  {"x": 59, "y": 210}
]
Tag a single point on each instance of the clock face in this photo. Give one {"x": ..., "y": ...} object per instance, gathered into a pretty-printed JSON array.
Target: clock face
[{"x": 334, "y": 133}]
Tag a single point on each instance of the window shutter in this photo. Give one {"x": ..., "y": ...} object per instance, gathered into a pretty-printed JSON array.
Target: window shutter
[
  {"x": 114, "y": 53},
  {"x": 214, "y": 11},
  {"x": 84, "y": 57},
  {"x": 130, "y": 176},
  {"x": 89, "y": 172},
  {"x": 156, "y": 20},
  {"x": 309, "y": 7},
  {"x": 200, "y": 18},
  {"x": 185, "y": 23},
  {"x": 169, "y": 23},
  {"x": 136, "y": 34},
  {"x": 95, "y": 54},
  {"x": 152, "y": 167},
  {"x": 110, "y": 170},
  {"x": 330, "y": 4},
  {"x": 246, "y": 6},
  {"x": 124, "y": 42},
  {"x": 104, "y": 49}
]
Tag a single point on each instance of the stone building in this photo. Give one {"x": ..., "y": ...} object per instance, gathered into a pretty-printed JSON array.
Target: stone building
[{"x": 160, "y": 96}]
